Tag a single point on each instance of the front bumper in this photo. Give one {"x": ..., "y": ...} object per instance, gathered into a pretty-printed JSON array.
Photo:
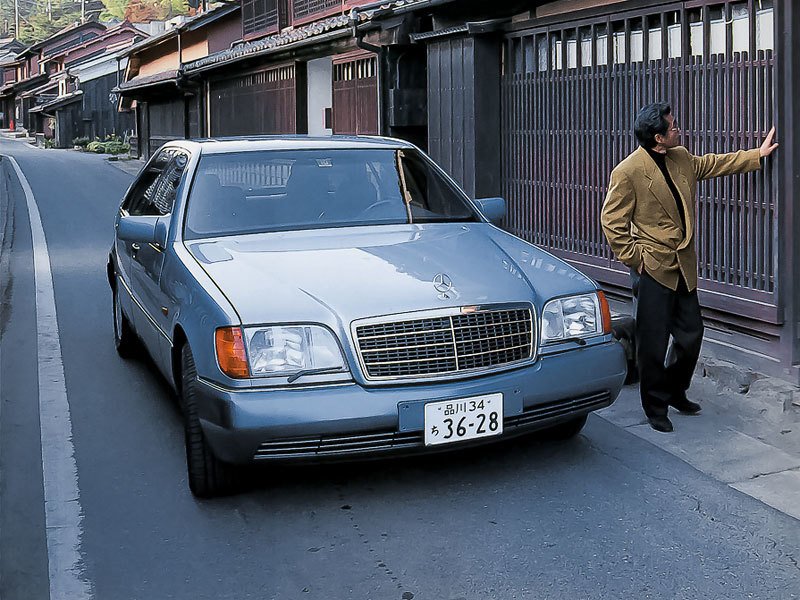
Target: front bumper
[{"x": 351, "y": 422}]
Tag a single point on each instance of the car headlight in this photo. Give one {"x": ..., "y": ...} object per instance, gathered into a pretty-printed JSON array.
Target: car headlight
[
  {"x": 279, "y": 350},
  {"x": 575, "y": 317}
]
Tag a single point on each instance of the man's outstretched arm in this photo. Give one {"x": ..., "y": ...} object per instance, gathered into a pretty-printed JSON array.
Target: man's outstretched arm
[{"x": 743, "y": 161}]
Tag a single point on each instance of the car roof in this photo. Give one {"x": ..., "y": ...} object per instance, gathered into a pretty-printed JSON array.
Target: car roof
[{"x": 224, "y": 145}]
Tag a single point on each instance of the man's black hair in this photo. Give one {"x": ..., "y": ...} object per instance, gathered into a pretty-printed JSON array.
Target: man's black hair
[{"x": 650, "y": 121}]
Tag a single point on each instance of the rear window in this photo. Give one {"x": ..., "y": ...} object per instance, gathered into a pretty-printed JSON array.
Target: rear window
[{"x": 252, "y": 192}]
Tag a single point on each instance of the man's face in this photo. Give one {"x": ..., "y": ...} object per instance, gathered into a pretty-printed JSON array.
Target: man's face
[{"x": 673, "y": 136}]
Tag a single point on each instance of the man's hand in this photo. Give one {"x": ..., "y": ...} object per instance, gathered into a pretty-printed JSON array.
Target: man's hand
[{"x": 768, "y": 147}]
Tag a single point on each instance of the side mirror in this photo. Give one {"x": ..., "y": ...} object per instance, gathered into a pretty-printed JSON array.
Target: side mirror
[
  {"x": 493, "y": 209},
  {"x": 143, "y": 230}
]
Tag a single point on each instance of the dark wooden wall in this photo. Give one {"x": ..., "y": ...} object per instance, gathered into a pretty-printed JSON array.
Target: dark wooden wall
[
  {"x": 261, "y": 102},
  {"x": 166, "y": 121},
  {"x": 100, "y": 109},
  {"x": 355, "y": 97},
  {"x": 464, "y": 111}
]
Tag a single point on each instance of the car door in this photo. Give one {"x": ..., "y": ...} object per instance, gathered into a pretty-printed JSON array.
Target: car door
[
  {"x": 132, "y": 204},
  {"x": 147, "y": 260}
]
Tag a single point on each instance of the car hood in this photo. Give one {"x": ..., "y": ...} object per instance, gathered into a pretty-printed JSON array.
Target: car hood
[{"x": 339, "y": 275}]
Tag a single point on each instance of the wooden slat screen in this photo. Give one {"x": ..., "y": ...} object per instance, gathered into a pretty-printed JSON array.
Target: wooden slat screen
[
  {"x": 570, "y": 95},
  {"x": 259, "y": 15},
  {"x": 306, "y": 8},
  {"x": 257, "y": 103},
  {"x": 355, "y": 97}
]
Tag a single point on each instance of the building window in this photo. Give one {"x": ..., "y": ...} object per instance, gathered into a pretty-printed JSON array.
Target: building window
[
  {"x": 306, "y": 8},
  {"x": 602, "y": 46},
  {"x": 765, "y": 26},
  {"x": 259, "y": 15}
]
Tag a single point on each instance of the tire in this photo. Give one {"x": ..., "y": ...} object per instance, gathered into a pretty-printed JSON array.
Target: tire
[
  {"x": 567, "y": 429},
  {"x": 208, "y": 476},
  {"x": 124, "y": 337}
]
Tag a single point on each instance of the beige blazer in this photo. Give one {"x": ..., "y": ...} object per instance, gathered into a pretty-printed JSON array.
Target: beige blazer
[{"x": 640, "y": 217}]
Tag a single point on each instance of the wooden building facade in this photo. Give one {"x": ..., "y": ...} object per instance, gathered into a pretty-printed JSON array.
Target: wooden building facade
[
  {"x": 535, "y": 101},
  {"x": 539, "y": 108}
]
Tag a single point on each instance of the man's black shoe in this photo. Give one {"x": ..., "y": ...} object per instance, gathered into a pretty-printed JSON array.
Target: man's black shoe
[
  {"x": 686, "y": 406},
  {"x": 662, "y": 424}
]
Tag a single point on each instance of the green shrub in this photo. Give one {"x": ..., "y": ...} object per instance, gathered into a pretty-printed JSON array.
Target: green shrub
[
  {"x": 80, "y": 141},
  {"x": 112, "y": 146},
  {"x": 117, "y": 147},
  {"x": 49, "y": 143}
]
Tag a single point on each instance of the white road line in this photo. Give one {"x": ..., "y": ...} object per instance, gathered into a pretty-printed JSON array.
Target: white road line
[{"x": 61, "y": 496}]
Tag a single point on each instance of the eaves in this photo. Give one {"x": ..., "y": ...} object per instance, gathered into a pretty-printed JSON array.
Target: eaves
[{"x": 314, "y": 33}]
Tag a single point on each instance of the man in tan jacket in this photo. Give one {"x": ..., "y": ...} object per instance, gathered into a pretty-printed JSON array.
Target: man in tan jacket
[{"x": 648, "y": 217}]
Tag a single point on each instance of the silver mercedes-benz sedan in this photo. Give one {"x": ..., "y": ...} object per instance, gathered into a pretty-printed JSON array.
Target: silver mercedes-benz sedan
[{"x": 342, "y": 298}]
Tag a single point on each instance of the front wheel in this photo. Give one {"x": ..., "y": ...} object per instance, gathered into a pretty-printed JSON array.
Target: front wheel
[
  {"x": 208, "y": 476},
  {"x": 124, "y": 338},
  {"x": 567, "y": 429}
]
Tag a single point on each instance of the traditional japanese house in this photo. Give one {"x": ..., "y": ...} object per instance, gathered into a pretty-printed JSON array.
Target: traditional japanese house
[
  {"x": 538, "y": 107},
  {"x": 535, "y": 101},
  {"x": 34, "y": 67},
  {"x": 298, "y": 69},
  {"x": 165, "y": 104},
  {"x": 85, "y": 75},
  {"x": 9, "y": 48}
]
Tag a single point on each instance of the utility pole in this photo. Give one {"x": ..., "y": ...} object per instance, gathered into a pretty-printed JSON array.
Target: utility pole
[
  {"x": 49, "y": 10},
  {"x": 16, "y": 18},
  {"x": 83, "y": 11}
]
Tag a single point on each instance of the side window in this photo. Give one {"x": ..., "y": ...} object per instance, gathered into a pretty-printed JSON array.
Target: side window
[
  {"x": 431, "y": 195},
  {"x": 136, "y": 198},
  {"x": 155, "y": 194}
]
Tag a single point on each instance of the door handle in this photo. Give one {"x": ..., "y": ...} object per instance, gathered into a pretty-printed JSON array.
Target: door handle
[{"x": 135, "y": 247}]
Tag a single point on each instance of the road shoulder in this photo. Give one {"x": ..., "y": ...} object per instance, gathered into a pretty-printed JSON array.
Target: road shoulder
[{"x": 750, "y": 453}]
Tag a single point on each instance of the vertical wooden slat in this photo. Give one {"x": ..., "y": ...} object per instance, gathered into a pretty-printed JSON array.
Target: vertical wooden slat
[{"x": 565, "y": 129}]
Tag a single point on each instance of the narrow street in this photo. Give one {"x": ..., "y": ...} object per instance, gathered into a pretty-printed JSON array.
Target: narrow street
[{"x": 606, "y": 515}]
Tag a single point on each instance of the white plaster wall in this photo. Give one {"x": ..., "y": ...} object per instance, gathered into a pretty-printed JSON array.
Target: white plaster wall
[{"x": 320, "y": 94}]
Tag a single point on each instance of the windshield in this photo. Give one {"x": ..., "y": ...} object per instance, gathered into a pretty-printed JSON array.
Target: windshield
[{"x": 279, "y": 190}]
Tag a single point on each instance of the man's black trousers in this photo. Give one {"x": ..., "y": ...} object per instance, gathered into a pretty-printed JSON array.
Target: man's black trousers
[{"x": 659, "y": 313}]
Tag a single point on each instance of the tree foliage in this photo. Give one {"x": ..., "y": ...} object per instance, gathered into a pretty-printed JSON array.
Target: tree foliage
[
  {"x": 40, "y": 19},
  {"x": 141, "y": 11}
]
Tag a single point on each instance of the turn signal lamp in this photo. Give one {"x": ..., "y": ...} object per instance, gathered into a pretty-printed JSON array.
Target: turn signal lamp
[
  {"x": 605, "y": 312},
  {"x": 231, "y": 355}
]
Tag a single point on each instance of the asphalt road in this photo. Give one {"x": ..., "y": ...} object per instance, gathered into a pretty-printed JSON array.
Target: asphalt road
[{"x": 606, "y": 515}]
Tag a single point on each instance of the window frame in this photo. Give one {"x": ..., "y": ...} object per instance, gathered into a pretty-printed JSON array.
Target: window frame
[{"x": 163, "y": 168}]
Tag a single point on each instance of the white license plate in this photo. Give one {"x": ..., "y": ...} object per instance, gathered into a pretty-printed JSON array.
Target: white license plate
[{"x": 463, "y": 419}]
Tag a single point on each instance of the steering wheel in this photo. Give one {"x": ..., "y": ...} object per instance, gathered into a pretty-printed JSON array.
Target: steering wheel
[{"x": 375, "y": 205}]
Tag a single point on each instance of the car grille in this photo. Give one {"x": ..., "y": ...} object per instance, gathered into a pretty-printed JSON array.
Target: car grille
[
  {"x": 338, "y": 445},
  {"x": 561, "y": 408},
  {"x": 448, "y": 344},
  {"x": 341, "y": 446}
]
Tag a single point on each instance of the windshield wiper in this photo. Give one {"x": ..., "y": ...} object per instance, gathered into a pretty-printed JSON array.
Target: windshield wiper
[{"x": 304, "y": 372}]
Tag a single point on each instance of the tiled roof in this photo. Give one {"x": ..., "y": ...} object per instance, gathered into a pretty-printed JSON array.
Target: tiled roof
[
  {"x": 148, "y": 81},
  {"x": 371, "y": 11},
  {"x": 58, "y": 102},
  {"x": 270, "y": 43},
  {"x": 274, "y": 43},
  {"x": 39, "y": 90},
  {"x": 63, "y": 32},
  {"x": 117, "y": 29},
  {"x": 30, "y": 82}
]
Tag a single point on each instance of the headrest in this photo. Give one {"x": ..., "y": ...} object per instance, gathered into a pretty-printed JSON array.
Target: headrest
[{"x": 208, "y": 182}]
